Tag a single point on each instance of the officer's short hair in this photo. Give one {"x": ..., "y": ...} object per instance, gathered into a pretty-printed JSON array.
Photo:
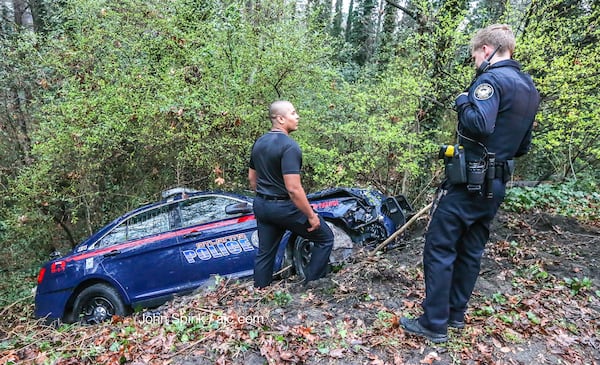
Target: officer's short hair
[
  {"x": 277, "y": 107},
  {"x": 495, "y": 35}
]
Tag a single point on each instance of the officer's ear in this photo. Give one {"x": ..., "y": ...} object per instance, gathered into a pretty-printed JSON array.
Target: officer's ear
[{"x": 487, "y": 50}]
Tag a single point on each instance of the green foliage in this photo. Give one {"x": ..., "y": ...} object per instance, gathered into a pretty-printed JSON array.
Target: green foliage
[
  {"x": 499, "y": 298},
  {"x": 560, "y": 49},
  {"x": 385, "y": 320},
  {"x": 577, "y": 285},
  {"x": 562, "y": 199},
  {"x": 485, "y": 311},
  {"x": 20, "y": 77},
  {"x": 122, "y": 99},
  {"x": 535, "y": 272},
  {"x": 138, "y": 101},
  {"x": 281, "y": 298},
  {"x": 16, "y": 285},
  {"x": 533, "y": 318},
  {"x": 367, "y": 134}
]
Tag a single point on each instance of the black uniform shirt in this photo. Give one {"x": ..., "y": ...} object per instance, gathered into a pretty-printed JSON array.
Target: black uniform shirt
[
  {"x": 274, "y": 154},
  {"x": 498, "y": 112}
]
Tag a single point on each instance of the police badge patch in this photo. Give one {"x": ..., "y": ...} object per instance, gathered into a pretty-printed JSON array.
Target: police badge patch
[{"x": 484, "y": 91}]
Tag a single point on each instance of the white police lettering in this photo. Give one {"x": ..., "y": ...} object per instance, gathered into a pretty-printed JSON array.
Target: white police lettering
[
  {"x": 233, "y": 247},
  {"x": 484, "y": 91},
  {"x": 220, "y": 247}
]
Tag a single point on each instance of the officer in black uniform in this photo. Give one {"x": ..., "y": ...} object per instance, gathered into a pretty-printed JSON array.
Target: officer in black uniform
[
  {"x": 281, "y": 202},
  {"x": 496, "y": 116}
]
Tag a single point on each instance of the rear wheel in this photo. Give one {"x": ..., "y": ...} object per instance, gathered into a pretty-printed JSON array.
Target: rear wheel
[{"x": 98, "y": 303}]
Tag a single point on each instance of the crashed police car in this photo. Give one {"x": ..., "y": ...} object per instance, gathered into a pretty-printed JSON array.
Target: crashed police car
[{"x": 146, "y": 256}]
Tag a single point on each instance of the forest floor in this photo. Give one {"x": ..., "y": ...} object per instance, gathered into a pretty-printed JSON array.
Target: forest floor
[{"x": 537, "y": 301}]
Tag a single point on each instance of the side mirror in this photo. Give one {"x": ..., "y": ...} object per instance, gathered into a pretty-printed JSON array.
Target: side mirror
[
  {"x": 239, "y": 208},
  {"x": 55, "y": 255}
]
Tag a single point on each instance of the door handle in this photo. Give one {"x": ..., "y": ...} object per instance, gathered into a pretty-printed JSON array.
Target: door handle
[
  {"x": 112, "y": 253},
  {"x": 192, "y": 234}
]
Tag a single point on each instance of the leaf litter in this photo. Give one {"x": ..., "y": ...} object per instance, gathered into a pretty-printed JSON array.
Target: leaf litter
[{"x": 523, "y": 311}]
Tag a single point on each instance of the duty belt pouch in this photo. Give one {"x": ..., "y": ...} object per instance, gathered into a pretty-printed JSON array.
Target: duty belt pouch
[
  {"x": 456, "y": 166},
  {"x": 476, "y": 171}
]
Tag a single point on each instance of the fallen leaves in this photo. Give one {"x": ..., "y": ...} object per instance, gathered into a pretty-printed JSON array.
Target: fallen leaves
[
  {"x": 305, "y": 332},
  {"x": 430, "y": 358},
  {"x": 355, "y": 319}
]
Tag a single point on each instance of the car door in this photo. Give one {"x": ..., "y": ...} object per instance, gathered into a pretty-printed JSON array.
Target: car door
[
  {"x": 215, "y": 242},
  {"x": 142, "y": 255}
]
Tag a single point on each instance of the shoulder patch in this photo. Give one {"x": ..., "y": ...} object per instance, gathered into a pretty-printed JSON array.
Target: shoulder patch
[{"x": 483, "y": 91}]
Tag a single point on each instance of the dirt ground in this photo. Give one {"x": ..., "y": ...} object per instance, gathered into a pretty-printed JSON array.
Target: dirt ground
[{"x": 537, "y": 301}]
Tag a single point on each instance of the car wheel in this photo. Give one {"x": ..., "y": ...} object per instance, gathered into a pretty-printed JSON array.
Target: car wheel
[
  {"x": 343, "y": 247},
  {"x": 287, "y": 264},
  {"x": 98, "y": 303},
  {"x": 301, "y": 255},
  {"x": 376, "y": 235}
]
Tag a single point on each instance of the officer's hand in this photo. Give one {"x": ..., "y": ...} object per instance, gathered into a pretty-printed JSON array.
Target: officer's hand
[
  {"x": 458, "y": 98},
  {"x": 314, "y": 222}
]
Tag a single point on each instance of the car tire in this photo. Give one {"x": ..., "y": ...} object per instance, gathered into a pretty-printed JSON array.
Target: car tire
[
  {"x": 343, "y": 248},
  {"x": 98, "y": 303},
  {"x": 287, "y": 264},
  {"x": 301, "y": 255}
]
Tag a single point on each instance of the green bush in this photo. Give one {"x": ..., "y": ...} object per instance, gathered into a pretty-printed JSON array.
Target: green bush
[{"x": 561, "y": 199}]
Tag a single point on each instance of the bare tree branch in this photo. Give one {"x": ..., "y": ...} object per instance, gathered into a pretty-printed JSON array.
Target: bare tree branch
[{"x": 411, "y": 14}]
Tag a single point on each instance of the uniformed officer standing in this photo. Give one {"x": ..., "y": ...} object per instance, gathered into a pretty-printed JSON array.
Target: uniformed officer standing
[
  {"x": 281, "y": 202},
  {"x": 496, "y": 115}
]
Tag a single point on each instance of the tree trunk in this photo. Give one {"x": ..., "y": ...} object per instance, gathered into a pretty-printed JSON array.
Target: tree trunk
[{"x": 349, "y": 20}]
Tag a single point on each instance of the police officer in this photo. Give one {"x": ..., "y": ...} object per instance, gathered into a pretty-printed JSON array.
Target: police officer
[
  {"x": 495, "y": 115},
  {"x": 281, "y": 202}
]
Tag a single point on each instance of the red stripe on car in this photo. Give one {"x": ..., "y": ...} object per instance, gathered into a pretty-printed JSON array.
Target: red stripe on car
[{"x": 151, "y": 239}]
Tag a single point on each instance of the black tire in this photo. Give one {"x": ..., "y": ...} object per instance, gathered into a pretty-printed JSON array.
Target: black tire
[
  {"x": 301, "y": 252},
  {"x": 287, "y": 266},
  {"x": 301, "y": 255},
  {"x": 98, "y": 303}
]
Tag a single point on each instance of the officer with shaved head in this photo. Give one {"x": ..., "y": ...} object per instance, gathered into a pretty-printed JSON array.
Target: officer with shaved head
[{"x": 281, "y": 204}]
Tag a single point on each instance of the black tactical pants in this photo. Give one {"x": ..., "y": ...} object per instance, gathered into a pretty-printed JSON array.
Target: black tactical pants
[
  {"x": 273, "y": 219},
  {"x": 454, "y": 244}
]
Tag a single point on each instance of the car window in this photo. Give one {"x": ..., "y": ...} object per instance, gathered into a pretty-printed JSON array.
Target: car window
[
  {"x": 148, "y": 223},
  {"x": 205, "y": 209},
  {"x": 141, "y": 225},
  {"x": 118, "y": 234}
]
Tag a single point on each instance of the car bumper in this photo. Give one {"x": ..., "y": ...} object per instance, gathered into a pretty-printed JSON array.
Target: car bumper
[{"x": 51, "y": 306}]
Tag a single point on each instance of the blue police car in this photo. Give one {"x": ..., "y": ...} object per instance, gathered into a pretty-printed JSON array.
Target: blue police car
[{"x": 156, "y": 251}]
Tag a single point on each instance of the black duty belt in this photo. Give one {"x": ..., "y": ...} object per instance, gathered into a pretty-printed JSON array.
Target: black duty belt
[{"x": 272, "y": 197}]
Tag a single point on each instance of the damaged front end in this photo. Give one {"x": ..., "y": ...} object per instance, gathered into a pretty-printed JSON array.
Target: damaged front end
[{"x": 359, "y": 218}]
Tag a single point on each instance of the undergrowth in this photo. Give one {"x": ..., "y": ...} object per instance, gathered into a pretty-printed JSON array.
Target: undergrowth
[{"x": 566, "y": 199}]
